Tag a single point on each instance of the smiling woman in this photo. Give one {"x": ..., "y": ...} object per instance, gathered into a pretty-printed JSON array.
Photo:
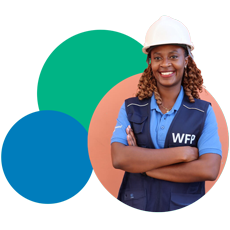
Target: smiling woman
[
  {"x": 168, "y": 64},
  {"x": 167, "y": 143}
]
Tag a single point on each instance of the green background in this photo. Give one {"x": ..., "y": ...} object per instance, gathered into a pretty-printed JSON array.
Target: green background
[{"x": 65, "y": 56}]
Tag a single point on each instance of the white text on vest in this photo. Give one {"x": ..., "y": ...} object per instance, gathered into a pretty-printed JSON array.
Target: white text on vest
[{"x": 188, "y": 137}]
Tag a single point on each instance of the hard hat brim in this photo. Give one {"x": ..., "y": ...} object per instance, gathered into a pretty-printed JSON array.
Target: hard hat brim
[{"x": 145, "y": 48}]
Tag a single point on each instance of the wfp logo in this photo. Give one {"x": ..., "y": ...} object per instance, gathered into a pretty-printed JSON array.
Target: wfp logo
[{"x": 184, "y": 137}]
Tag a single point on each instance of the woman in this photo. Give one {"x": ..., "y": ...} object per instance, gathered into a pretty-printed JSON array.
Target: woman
[{"x": 166, "y": 138}]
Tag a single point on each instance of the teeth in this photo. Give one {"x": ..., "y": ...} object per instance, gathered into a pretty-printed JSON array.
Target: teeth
[{"x": 166, "y": 73}]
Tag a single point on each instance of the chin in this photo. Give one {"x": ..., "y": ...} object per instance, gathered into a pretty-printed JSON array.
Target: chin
[{"x": 169, "y": 84}]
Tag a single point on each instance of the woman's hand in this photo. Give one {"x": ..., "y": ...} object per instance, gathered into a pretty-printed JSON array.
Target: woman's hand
[
  {"x": 130, "y": 137},
  {"x": 190, "y": 153}
]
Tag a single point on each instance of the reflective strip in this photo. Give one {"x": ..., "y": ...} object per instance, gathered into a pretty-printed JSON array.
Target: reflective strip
[
  {"x": 117, "y": 127},
  {"x": 193, "y": 108},
  {"x": 136, "y": 104}
]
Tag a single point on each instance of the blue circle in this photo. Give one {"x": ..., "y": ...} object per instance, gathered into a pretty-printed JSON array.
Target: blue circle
[{"x": 45, "y": 157}]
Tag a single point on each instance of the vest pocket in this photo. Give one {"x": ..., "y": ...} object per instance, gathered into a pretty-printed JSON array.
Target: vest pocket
[
  {"x": 137, "y": 122},
  {"x": 134, "y": 198},
  {"x": 182, "y": 200}
]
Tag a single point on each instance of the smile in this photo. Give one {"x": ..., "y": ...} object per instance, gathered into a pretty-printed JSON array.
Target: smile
[{"x": 167, "y": 74}]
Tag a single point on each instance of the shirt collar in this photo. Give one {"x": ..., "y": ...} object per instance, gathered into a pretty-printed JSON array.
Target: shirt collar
[{"x": 176, "y": 105}]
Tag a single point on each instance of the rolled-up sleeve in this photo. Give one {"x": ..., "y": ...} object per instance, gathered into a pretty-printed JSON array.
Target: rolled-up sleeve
[
  {"x": 209, "y": 141},
  {"x": 119, "y": 133}
]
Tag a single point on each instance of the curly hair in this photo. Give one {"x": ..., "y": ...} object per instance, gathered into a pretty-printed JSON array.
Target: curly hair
[{"x": 192, "y": 83}]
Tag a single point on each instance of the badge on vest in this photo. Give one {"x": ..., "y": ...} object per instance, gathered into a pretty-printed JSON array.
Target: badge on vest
[{"x": 179, "y": 138}]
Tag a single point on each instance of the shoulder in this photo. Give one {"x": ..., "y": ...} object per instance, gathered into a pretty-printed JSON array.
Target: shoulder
[
  {"x": 134, "y": 105},
  {"x": 211, "y": 115},
  {"x": 209, "y": 141},
  {"x": 198, "y": 104},
  {"x": 132, "y": 99},
  {"x": 136, "y": 101},
  {"x": 202, "y": 101}
]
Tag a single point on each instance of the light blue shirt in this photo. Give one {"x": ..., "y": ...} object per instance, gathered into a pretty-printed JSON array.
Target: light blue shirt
[{"x": 159, "y": 124}]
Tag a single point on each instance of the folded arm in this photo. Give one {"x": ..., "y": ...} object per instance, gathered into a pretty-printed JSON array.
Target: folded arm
[
  {"x": 206, "y": 167},
  {"x": 138, "y": 160}
]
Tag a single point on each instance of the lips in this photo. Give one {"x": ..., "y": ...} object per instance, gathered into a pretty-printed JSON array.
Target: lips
[{"x": 167, "y": 74}]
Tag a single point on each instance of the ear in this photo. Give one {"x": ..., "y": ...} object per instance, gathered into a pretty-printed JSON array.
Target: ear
[{"x": 186, "y": 61}]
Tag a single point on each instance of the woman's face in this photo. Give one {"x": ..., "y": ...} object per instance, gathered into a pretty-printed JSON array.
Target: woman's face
[{"x": 168, "y": 63}]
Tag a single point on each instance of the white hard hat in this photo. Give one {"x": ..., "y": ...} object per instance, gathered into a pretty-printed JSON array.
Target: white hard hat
[{"x": 167, "y": 30}]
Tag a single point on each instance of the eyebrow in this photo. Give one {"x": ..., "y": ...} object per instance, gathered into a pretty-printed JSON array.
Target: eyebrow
[{"x": 174, "y": 51}]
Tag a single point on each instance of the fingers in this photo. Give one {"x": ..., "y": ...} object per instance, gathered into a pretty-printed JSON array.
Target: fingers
[
  {"x": 130, "y": 136},
  {"x": 130, "y": 140},
  {"x": 127, "y": 130},
  {"x": 133, "y": 137}
]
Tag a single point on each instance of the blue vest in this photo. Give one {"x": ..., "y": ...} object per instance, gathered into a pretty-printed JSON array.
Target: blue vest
[{"x": 146, "y": 193}]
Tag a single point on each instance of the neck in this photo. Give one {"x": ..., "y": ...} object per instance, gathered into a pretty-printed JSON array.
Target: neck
[{"x": 169, "y": 95}]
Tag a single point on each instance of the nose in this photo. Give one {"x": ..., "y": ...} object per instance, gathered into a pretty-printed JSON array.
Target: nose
[{"x": 165, "y": 63}]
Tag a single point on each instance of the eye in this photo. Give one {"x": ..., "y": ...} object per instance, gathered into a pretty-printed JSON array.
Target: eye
[
  {"x": 157, "y": 58},
  {"x": 174, "y": 57}
]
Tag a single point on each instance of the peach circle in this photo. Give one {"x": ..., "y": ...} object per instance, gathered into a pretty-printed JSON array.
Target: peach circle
[{"x": 102, "y": 126}]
